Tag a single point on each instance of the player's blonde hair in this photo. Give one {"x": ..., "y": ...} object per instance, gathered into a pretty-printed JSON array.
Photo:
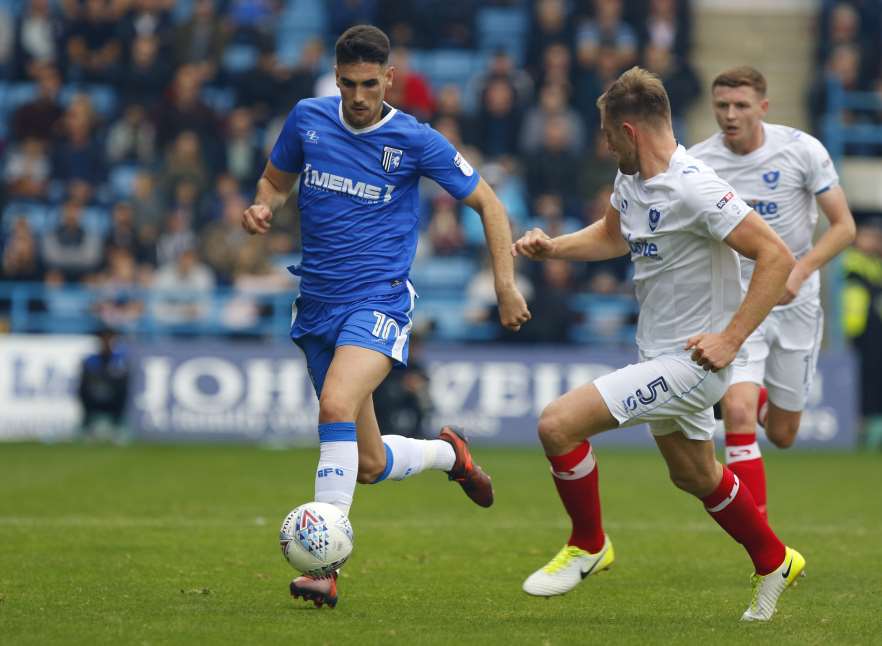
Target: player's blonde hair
[
  {"x": 742, "y": 76},
  {"x": 638, "y": 94}
]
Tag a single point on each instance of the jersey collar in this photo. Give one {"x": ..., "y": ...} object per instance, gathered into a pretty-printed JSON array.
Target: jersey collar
[{"x": 363, "y": 131}]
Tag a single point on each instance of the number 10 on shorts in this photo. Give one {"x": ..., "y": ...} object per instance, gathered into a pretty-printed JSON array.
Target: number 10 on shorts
[{"x": 385, "y": 326}]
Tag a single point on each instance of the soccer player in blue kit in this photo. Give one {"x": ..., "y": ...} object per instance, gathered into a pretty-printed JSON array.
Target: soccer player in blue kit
[{"x": 359, "y": 161}]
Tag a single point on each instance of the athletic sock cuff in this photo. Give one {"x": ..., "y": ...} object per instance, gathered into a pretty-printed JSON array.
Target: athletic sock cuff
[
  {"x": 337, "y": 432},
  {"x": 390, "y": 460},
  {"x": 724, "y": 494},
  {"x": 740, "y": 439},
  {"x": 576, "y": 464}
]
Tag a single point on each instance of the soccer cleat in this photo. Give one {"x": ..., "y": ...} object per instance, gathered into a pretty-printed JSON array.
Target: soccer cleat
[
  {"x": 767, "y": 588},
  {"x": 321, "y": 590},
  {"x": 470, "y": 476},
  {"x": 762, "y": 406},
  {"x": 567, "y": 570}
]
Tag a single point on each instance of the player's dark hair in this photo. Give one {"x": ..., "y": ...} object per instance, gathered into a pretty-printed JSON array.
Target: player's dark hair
[
  {"x": 362, "y": 44},
  {"x": 636, "y": 94},
  {"x": 742, "y": 76}
]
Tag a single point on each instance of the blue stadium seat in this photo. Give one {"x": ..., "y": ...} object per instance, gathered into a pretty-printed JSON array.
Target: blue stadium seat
[
  {"x": 443, "y": 276},
  {"x": 307, "y": 15},
  {"x": 239, "y": 58},
  {"x": 36, "y": 214},
  {"x": 503, "y": 28},
  {"x": 104, "y": 98},
  {"x": 122, "y": 180},
  {"x": 219, "y": 99}
]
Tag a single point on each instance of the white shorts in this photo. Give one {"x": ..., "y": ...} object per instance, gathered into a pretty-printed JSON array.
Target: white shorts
[
  {"x": 670, "y": 393},
  {"x": 783, "y": 354}
]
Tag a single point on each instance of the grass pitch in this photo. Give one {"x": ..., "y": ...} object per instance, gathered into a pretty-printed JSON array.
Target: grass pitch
[{"x": 177, "y": 545}]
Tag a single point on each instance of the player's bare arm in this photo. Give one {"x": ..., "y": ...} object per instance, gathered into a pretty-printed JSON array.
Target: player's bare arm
[
  {"x": 835, "y": 239},
  {"x": 513, "y": 312},
  {"x": 599, "y": 241},
  {"x": 756, "y": 240},
  {"x": 273, "y": 189}
]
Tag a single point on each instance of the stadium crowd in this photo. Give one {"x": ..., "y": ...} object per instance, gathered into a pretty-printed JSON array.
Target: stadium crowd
[{"x": 133, "y": 132}]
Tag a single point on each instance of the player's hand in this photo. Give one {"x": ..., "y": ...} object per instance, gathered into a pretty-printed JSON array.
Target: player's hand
[
  {"x": 257, "y": 218},
  {"x": 534, "y": 244},
  {"x": 794, "y": 281},
  {"x": 513, "y": 311},
  {"x": 712, "y": 351}
]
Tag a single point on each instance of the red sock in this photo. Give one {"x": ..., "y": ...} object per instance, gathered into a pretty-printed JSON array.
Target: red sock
[
  {"x": 743, "y": 457},
  {"x": 734, "y": 509},
  {"x": 575, "y": 476}
]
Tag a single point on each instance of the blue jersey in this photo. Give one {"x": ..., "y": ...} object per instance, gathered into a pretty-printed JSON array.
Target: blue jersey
[{"x": 359, "y": 203}]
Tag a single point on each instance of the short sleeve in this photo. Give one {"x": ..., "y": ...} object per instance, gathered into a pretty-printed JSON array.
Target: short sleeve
[
  {"x": 820, "y": 173},
  {"x": 287, "y": 153},
  {"x": 441, "y": 162},
  {"x": 713, "y": 206}
]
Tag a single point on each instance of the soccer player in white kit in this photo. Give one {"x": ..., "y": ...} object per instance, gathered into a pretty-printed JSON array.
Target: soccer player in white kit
[
  {"x": 782, "y": 173},
  {"x": 682, "y": 226}
]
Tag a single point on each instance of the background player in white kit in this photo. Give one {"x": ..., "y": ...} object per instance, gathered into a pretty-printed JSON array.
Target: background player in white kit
[
  {"x": 681, "y": 224},
  {"x": 782, "y": 173}
]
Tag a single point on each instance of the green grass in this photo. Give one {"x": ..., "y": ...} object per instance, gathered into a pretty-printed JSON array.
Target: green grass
[{"x": 168, "y": 545}]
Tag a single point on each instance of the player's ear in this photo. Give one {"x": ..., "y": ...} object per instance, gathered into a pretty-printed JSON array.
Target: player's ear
[
  {"x": 764, "y": 106},
  {"x": 389, "y": 75}
]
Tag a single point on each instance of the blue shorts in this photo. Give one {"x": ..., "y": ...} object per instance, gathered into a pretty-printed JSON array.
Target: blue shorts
[{"x": 380, "y": 323}]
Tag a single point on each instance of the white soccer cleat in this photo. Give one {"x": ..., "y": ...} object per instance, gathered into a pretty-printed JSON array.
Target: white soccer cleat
[
  {"x": 767, "y": 588},
  {"x": 567, "y": 570}
]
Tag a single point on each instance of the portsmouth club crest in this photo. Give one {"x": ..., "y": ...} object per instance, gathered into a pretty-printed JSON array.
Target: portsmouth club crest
[
  {"x": 771, "y": 178},
  {"x": 654, "y": 217},
  {"x": 391, "y": 158}
]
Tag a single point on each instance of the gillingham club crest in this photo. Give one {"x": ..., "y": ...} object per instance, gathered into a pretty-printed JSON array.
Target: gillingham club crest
[{"x": 391, "y": 158}]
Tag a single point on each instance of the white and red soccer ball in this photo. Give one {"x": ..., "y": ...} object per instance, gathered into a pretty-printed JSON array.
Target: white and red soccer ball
[{"x": 316, "y": 538}]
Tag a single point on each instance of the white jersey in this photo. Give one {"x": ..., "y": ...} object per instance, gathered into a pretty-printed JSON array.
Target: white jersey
[
  {"x": 780, "y": 180},
  {"x": 686, "y": 277}
]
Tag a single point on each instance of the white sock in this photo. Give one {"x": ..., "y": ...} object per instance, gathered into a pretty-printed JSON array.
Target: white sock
[
  {"x": 406, "y": 456},
  {"x": 337, "y": 469}
]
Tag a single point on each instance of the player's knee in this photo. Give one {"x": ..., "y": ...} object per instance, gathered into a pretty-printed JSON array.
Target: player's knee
[
  {"x": 739, "y": 416},
  {"x": 784, "y": 437},
  {"x": 334, "y": 408},
  {"x": 551, "y": 430}
]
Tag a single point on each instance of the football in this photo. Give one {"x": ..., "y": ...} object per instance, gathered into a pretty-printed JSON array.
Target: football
[{"x": 316, "y": 538}]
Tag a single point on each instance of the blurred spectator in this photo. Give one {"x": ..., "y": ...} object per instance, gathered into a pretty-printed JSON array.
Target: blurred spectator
[
  {"x": 598, "y": 170},
  {"x": 103, "y": 389},
  {"x": 345, "y": 13},
  {"x": 550, "y": 26},
  {"x": 254, "y": 279},
  {"x": 550, "y": 306},
  {"x": 70, "y": 248},
  {"x": 41, "y": 117},
  {"x": 244, "y": 159},
  {"x": 450, "y": 107},
  {"x": 680, "y": 81},
  {"x": 862, "y": 322},
  {"x": 38, "y": 36},
  {"x": 606, "y": 27},
  {"x": 222, "y": 240},
  {"x": 117, "y": 302},
  {"x": 553, "y": 168},
  {"x": 144, "y": 18},
  {"x": 146, "y": 74},
  {"x": 500, "y": 120},
  {"x": 132, "y": 138},
  {"x": 176, "y": 237},
  {"x": 843, "y": 24},
  {"x": 593, "y": 82},
  {"x": 843, "y": 71},
  {"x": 184, "y": 160},
  {"x": 183, "y": 110},
  {"x": 481, "y": 307},
  {"x": 410, "y": 90},
  {"x": 21, "y": 259},
  {"x": 502, "y": 65},
  {"x": 556, "y": 67},
  {"x": 552, "y": 103},
  {"x": 146, "y": 206},
  {"x": 27, "y": 170},
  {"x": 123, "y": 234},
  {"x": 79, "y": 155},
  {"x": 199, "y": 41},
  {"x": 94, "y": 51},
  {"x": 253, "y": 20},
  {"x": 7, "y": 43},
  {"x": 668, "y": 25},
  {"x": 445, "y": 235},
  {"x": 182, "y": 290}
]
